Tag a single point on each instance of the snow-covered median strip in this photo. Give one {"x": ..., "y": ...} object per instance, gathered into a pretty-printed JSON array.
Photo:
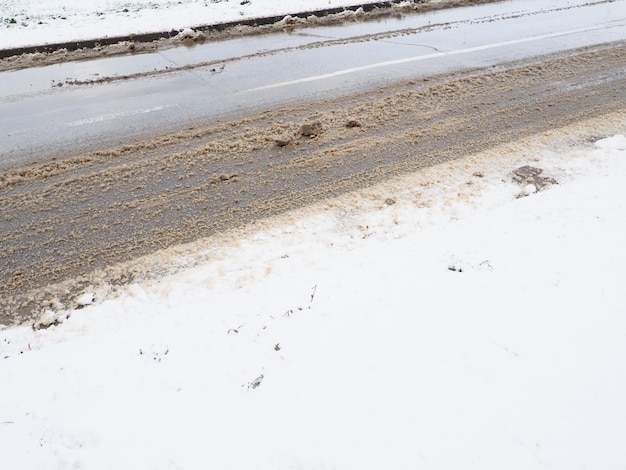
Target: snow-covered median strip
[
  {"x": 30, "y": 22},
  {"x": 465, "y": 321}
]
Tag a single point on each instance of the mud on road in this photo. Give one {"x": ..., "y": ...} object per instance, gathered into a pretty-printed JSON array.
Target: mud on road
[{"x": 77, "y": 222}]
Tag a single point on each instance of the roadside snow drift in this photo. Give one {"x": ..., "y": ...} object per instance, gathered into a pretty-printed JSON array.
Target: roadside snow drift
[
  {"x": 452, "y": 324},
  {"x": 30, "y": 22}
]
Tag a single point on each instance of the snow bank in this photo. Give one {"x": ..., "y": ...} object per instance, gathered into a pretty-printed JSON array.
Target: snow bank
[
  {"x": 34, "y": 22},
  {"x": 445, "y": 327}
]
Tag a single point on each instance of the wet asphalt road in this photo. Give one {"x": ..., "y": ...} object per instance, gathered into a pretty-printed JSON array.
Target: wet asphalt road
[
  {"x": 130, "y": 166},
  {"x": 174, "y": 88}
]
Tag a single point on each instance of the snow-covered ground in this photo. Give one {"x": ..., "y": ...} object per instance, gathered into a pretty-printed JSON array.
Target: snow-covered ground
[
  {"x": 439, "y": 321},
  {"x": 35, "y": 22}
]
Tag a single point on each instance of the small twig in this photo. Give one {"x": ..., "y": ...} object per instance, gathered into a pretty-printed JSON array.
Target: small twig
[
  {"x": 256, "y": 382},
  {"x": 486, "y": 263},
  {"x": 312, "y": 295}
]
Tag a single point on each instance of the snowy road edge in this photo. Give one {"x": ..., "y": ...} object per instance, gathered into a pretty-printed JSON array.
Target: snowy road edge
[{"x": 224, "y": 26}]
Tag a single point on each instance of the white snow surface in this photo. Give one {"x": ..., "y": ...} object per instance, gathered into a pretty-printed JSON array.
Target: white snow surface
[
  {"x": 439, "y": 322},
  {"x": 34, "y": 22}
]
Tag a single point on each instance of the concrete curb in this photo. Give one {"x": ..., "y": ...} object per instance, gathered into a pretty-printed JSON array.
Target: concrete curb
[{"x": 149, "y": 37}]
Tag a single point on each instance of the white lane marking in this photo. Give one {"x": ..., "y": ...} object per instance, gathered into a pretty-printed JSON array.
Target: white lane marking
[
  {"x": 433, "y": 56},
  {"x": 110, "y": 117}
]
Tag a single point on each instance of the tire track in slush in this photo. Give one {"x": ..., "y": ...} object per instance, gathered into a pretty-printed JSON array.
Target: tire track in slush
[{"x": 74, "y": 223}]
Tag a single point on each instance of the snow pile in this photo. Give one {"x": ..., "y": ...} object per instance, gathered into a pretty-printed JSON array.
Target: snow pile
[
  {"x": 34, "y": 22},
  {"x": 449, "y": 327}
]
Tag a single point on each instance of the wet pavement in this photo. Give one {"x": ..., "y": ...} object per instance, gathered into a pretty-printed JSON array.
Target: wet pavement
[
  {"x": 60, "y": 110},
  {"x": 138, "y": 158}
]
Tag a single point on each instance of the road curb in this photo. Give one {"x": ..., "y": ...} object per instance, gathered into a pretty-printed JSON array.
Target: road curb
[{"x": 217, "y": 27}]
